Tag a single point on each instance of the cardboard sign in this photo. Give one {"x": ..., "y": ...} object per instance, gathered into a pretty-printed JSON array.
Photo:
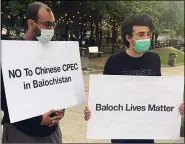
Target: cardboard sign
[
  {"x": 135, "y": 107},
  {"x": 40, "y": 77}
]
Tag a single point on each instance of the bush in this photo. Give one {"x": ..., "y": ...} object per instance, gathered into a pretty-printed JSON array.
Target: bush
[{"x": 164, "y": 55}]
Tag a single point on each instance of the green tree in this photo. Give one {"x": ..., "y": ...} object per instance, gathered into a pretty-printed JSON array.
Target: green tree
[
  {"x": 79, "y": 16},
  {"x": 13, "y": 15}
]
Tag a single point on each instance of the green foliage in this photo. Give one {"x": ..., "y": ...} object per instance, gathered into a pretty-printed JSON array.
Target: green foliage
[
  {"x": 164, "y": 55},
  {"x": 166, "y": 14}
]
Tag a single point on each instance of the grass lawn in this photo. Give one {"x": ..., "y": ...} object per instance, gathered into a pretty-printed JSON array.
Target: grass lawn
[
  {"x": 164, "y": 55},
  {"x": 94, "y": 66}
]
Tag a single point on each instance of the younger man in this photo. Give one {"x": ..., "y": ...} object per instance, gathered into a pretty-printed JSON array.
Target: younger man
[{"x": 136, "y": 60}]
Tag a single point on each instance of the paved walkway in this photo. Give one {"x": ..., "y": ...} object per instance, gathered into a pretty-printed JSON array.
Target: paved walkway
[
  {"x": 179, "y": 70},
  {"x": 73, "y": 124}
]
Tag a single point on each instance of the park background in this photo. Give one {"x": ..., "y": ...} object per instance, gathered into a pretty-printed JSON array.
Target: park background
[{"x": 97, "y": 23}]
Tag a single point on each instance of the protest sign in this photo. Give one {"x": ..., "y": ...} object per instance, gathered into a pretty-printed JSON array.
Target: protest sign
[
  {"x": 134, "y": 107},
  {"x": 40, "y": 77}
]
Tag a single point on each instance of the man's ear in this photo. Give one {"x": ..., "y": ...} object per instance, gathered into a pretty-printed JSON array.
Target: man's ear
[
  {"x": 128, "y": 38},
  {"x": 30, "y": 23}
]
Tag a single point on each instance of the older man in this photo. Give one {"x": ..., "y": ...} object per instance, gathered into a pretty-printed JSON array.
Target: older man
[{"x": 40, "y": 23}]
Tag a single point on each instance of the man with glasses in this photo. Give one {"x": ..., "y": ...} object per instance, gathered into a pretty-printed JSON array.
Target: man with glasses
[{"x": 40, "y": 23}]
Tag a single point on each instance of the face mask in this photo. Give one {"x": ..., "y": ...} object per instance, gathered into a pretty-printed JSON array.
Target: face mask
[
  {"x": 46, "y": 35},
  {"x": 142, "y": 46}
]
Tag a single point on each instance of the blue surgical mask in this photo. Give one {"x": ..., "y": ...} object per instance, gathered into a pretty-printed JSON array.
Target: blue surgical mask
[{"x": 142, "y": 46}]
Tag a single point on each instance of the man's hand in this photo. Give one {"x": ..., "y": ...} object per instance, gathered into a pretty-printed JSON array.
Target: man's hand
[
  {"x": 181, "y": 108},
  {"x": 48, "y": 120},
  {"x": 87, "y": 113},
  {"x": 59, "y": 113}
]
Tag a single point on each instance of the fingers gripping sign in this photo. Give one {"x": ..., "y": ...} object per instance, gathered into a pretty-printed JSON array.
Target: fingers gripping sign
[{"x": 87, "y": 113}]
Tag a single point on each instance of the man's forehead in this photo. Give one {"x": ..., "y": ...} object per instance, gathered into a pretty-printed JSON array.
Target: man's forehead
[
  {"x": 46, "y": 14},
  {"x": 141, "y": 29}
]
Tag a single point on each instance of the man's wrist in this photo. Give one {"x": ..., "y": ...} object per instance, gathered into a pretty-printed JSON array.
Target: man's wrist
[{"x": 41, "y": 118}]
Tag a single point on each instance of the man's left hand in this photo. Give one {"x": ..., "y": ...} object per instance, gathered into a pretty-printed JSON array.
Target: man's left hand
[
  {"x": 181, "y": 108},
  {"x": 59, "y": 113}
]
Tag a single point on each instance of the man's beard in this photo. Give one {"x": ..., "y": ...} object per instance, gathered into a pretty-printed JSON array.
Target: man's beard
[{"x": 36, "y": 32}]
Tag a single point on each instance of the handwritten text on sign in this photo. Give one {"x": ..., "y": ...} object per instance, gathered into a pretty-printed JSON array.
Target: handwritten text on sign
[
  {"x": 135, "y": 107},
  {"x": 39, "y": 77}
]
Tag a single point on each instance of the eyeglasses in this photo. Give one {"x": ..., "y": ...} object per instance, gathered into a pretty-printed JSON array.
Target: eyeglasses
[{"x": 47, "y": 24}]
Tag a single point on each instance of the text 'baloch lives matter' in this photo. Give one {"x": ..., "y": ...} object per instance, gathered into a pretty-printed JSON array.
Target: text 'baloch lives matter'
[{"x": 17, "y": 73}]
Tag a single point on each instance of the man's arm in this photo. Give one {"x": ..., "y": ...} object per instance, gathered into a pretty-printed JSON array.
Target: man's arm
[
  {"x": 36, "y": 120},
  {"x": 47, "y": 118}
]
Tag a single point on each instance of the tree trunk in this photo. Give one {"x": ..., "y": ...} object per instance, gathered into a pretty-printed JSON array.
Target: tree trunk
[
  {"x": 113, "y": 37},
  {"x": 108, "y": 36},
  {"x": 152, "y": 41},
  {"x": 81, "y": 33},
  {"x": 108, "y": 32},
  {"x": 101, "y": 32},
  {"x": 67, "y": 31},
  {"x": 97, "y": 33},
  {"x": 156, "y": 36},
  {"x": 97, "y": 27},
  {"x": 8, "y": 31},
  {"x": 66, "y": 34},
  {"x": 92, "y": 31},
  {"x": 84, "y": 33}
]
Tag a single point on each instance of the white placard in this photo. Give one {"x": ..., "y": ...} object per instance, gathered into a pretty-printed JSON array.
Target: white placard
[
  {"x": 54, "y": 79},
  {"x": 150, "y": 120}
]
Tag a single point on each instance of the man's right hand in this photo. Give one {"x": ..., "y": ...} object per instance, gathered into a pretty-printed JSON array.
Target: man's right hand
[
  {"x": 47, "y": 120},
  {"x": 87, "y": 113}
]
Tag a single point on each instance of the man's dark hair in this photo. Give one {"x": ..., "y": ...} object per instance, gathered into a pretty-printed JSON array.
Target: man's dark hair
[
  {"x": 134, "y": 20},
  {"x": 32, "y": 12}
]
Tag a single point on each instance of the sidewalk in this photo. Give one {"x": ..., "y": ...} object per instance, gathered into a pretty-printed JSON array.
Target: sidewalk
[{"x": 74, "y": 126}]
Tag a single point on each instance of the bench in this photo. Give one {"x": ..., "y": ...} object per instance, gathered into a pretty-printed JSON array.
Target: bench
[{"x": 94, "y": 50}]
